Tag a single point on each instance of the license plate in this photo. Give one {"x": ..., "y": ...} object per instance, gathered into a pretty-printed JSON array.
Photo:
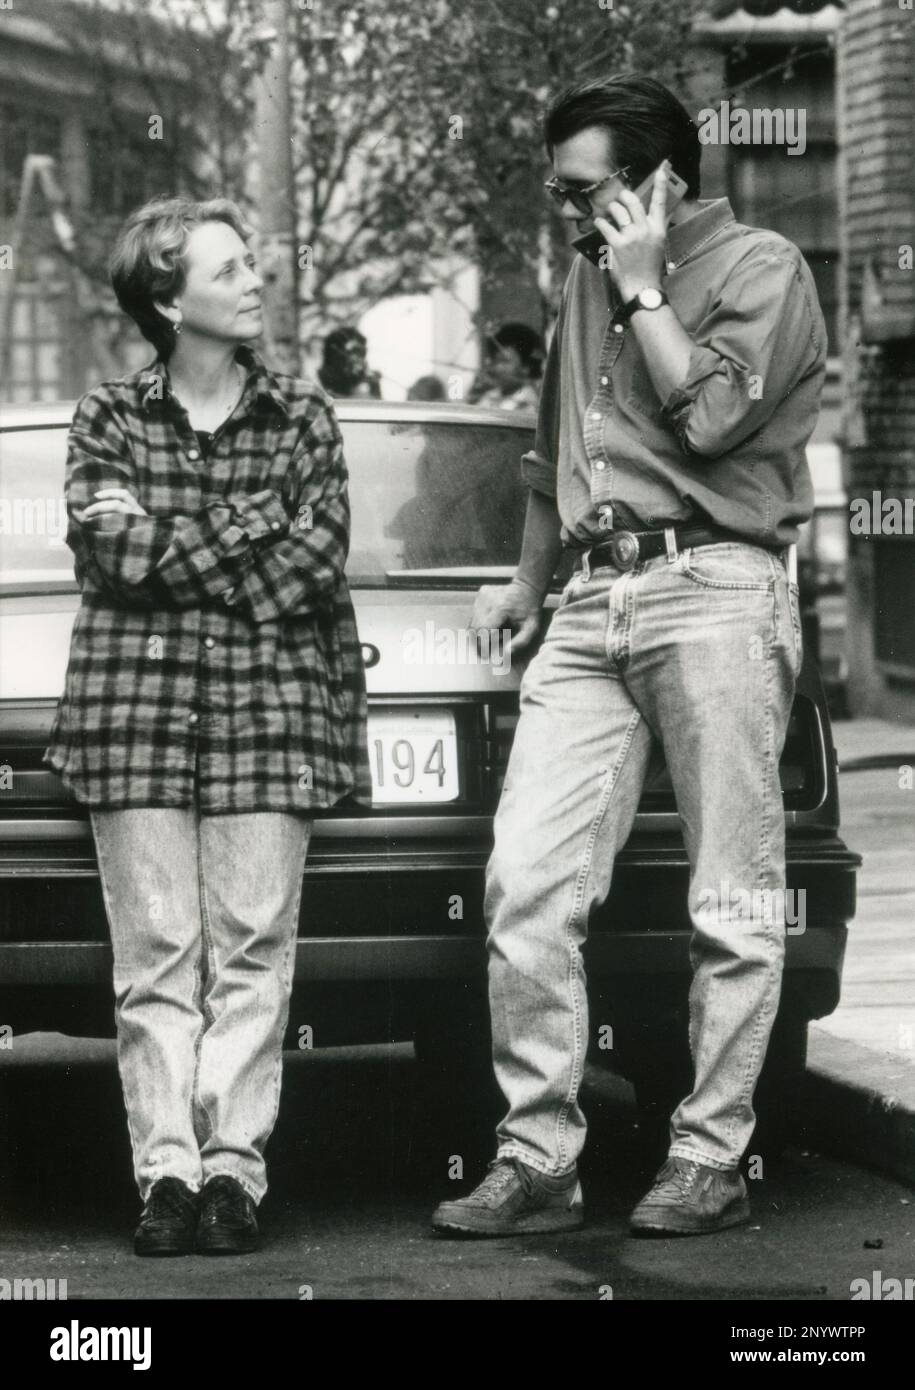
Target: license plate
[{"x": 413, "y": 754}]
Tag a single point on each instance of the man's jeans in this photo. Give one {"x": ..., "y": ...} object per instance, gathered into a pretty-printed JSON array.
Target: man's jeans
[
  {"x": 699, "y": 654},
  {"x": 203, "y": 912}
]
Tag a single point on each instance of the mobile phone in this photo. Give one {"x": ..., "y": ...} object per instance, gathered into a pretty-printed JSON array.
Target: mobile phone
[
  {"x": 676, "y": 190},
  {"x": 591, "y": 244}
]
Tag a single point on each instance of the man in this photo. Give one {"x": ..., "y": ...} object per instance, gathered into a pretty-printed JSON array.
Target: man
[{"x": 670, "y": 452}]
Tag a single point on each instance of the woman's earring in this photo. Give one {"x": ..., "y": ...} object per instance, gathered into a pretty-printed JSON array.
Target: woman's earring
[{"x": 177, "y": 328}]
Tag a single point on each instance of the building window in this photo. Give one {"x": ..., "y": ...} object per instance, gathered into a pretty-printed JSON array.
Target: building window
[
  {"x": 126, "y": 168},
  {"x": 35, "y": 369},
  {"x": 894, "y": 585},
  {"x": 794, "y": 194},
  {"x": 25, "y": 131}
]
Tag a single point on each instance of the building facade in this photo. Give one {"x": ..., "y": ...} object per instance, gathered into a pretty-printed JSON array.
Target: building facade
[
  {"x": 93, "y": 115},
  {"x": 877, "y": 106}
]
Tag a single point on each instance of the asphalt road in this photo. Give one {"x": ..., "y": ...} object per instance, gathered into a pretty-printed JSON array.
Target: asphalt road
[{"x": 362, "y": 1152}]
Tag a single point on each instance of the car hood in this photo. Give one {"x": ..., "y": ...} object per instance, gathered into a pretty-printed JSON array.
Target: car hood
[{"x": 416, "y": 642}]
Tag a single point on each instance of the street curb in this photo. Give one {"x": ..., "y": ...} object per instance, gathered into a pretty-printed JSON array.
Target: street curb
[
  {"x": 860, "y": 1104},
  {"x": 873, "y": 762}
]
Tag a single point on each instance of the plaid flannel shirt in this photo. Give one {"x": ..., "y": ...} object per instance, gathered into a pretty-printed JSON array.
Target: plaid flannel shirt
[{"x": 215, "y": 636}]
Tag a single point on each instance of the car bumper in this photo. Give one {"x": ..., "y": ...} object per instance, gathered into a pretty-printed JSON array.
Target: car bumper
[{"x": 413, "y": 911}]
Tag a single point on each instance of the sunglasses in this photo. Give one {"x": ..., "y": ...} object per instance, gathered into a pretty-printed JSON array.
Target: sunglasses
[{"x": 578, "y": 196}]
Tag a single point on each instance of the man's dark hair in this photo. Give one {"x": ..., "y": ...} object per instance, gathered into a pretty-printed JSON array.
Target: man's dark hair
[
  {"x": 526, "y": 341},
  {"x": 647, "y": 122}
]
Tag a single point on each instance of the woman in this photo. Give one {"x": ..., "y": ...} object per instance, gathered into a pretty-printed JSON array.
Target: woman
[
  {"x": 215, "y": 698},
  {"x": 510, "y": 379}
]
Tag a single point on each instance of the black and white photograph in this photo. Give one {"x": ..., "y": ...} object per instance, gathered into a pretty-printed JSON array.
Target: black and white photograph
[{"x": 457, "y": 671}]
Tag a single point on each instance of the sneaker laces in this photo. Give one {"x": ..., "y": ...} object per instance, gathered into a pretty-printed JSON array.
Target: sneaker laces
[
  {"x": 676, "y": 1177},
  {"x": 502, "y": 1172}
]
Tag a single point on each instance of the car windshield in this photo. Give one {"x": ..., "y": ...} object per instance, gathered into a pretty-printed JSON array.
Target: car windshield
[{"x": 433, "y": 504}]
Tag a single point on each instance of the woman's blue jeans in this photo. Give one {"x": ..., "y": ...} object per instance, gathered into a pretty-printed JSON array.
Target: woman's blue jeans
[{"x": 203, "y": 912}]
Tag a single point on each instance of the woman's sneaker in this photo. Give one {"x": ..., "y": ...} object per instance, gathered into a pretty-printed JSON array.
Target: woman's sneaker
[
  {"x": 691, "y": 1199},
  {"x": 169, "y": 1220},
  {"x": 227, "y": 1224},
  {"x": 513, "y": 1200}
]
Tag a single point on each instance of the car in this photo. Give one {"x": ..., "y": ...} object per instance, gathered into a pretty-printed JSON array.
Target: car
[
  {"x": 822, "y": 555},
  {"x": 391, "y": 939}
]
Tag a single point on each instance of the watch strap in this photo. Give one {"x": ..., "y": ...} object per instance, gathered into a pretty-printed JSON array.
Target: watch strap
[{"x": 631, "y": 305}]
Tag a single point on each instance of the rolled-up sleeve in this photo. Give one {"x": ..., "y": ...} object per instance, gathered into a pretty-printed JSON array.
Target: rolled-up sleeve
[
  {"x": 538, "y": 466},
  {"x": 756, "y": 341}
]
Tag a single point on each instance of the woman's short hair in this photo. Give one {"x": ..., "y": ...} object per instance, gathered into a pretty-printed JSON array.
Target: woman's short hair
[
  {"x": 647, "y": 122},
  {"x": 147, "y": 263}
]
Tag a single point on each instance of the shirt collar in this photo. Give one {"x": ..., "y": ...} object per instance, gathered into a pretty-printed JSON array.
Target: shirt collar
[
  {"x": 686, "y": 237},
  {"x": 261, "y": 385}
]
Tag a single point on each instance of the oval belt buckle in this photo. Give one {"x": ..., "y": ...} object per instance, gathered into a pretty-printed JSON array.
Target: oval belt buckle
[{"x": 624, "y": 547}]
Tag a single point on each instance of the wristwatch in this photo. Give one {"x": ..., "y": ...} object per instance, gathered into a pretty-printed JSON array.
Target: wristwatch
[{"x": 645, "y": 299}]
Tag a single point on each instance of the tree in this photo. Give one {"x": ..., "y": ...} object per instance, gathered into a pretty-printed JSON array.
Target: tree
[
  {"x": 420, "y": 133},
  {"x": 417, "y": 128}
]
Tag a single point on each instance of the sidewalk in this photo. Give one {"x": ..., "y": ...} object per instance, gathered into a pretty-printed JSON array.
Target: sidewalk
[{"x": 861, "y": 1059}]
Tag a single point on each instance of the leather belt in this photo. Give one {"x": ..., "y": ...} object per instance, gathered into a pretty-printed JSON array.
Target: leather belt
[{"x": 626, "y": 548}]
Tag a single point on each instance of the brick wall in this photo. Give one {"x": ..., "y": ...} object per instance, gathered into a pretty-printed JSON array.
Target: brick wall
[{"x": 876, "y": 72}]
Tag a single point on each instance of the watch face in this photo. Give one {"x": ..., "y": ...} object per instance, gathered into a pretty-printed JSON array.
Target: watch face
[{"x": 651, "y": 299}]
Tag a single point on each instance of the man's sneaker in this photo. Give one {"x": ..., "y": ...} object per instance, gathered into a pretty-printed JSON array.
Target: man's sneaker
[
  {"x": 227, "y": 1224},
  {"x": 690, "y": 1199},
  {"x": 513, "y": 1200},
  {"x": 169, "y": 1220}
]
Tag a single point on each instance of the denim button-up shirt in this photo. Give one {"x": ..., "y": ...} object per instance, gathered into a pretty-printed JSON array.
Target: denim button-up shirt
[{"x": 729, "y": 444}]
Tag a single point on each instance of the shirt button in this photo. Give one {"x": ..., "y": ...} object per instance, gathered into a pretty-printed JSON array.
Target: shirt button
[
  {"x": 605, "y": 381},
  {"x": 600, "y": 465},
  {"x": 193, "y": 453},
  {"x": 617, "y": 328},
  {"x": 193, "y": 718},
  {"x": 274, "y": 526},
  {"x": 595, "y": 414},
  {"x": 671, "y": 265},
  {"x": 209, "y": 641}
]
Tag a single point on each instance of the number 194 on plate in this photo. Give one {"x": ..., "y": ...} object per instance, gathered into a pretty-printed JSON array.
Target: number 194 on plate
[{"x": 413, "y": 753}]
